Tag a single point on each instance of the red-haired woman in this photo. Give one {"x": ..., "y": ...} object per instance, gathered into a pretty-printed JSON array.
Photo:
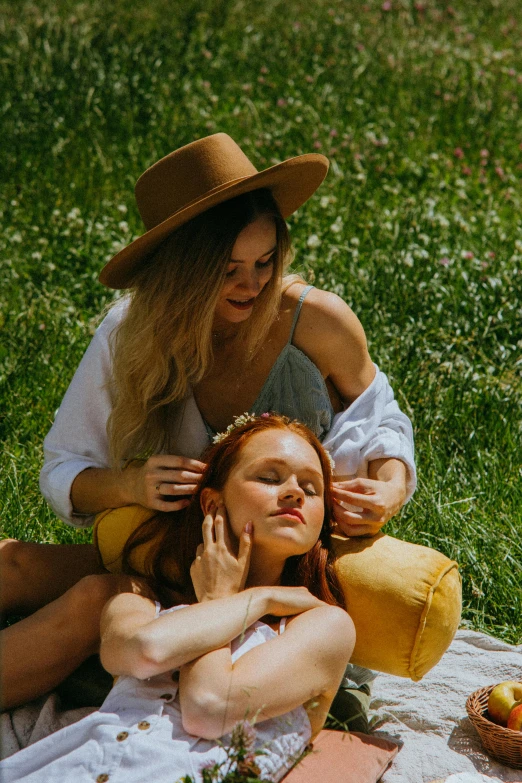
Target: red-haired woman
[{"x": 187, "y": 675}]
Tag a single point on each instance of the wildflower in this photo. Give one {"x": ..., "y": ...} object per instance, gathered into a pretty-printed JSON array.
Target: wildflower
[
  {"x": 243, "y": 736},
  {"x": 309, "y": 79},
  {"x": 264, "y": 69},
  {"x": 207, "y": 54},
  {"x": 499, "y": 171},
  {"x": 281, "y": 102},
  {"x": 122, "y": 208},
  {"x": 386, "y": 6},
  {"x": 466, "y": 171},
  {"x": 246, "y": 87},
  {"x": 313, "y": 241},
  {"x": 458, "y": 152},
  {"x": 444, "y": 261},
  {"x": 468, "y": 255},
  {"x": 484, "y": 153},
  {"x": 333, "y": 133},
  {"x": 317, "y": 145}
]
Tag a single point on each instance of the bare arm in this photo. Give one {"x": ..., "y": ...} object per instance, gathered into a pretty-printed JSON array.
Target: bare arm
[
  {"x": 135, "y": 643},
  {"x": 332, "y": 336},
  {"x": 145, "y": 483},
  {"x": 306, "y": 662}
]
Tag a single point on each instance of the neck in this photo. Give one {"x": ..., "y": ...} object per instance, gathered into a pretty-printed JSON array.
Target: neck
[
  {"x": 265, "y": 569},
  {"x": 223, "y": 332}
]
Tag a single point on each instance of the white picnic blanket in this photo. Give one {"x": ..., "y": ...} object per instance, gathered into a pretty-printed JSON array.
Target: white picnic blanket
[{"x": 430, "y": 717}]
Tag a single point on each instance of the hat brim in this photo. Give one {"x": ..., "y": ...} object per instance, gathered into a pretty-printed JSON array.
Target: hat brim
[{"x": 292, "y": 182}]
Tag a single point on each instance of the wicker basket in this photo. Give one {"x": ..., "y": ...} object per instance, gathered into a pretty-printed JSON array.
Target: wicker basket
[{"x": 503, "y": 744}]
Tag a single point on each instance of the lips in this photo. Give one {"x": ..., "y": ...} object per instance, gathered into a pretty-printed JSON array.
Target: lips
[
  {"x": 246, "y": 305},
  {"x": 290, "y": 512}
]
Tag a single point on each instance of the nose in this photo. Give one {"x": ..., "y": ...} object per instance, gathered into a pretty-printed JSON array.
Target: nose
[
  {"x": 250, "y": 281},
  {"x": 291, "y": 491}
]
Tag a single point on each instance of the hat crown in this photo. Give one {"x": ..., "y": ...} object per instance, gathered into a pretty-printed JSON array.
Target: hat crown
[{"x": 188, "y": 174}]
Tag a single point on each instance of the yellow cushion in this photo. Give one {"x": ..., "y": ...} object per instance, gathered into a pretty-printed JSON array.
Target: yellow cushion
[{"x": 404, "y": 599}]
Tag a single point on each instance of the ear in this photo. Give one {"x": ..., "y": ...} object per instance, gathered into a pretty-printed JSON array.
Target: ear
[{"x": 208, "y": 497}]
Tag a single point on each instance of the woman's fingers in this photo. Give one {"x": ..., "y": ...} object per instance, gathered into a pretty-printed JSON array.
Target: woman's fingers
[
  {"x": 356, "y": 499},
  {"x": 219, "y": 524},
  {"x": 175, "y": 489},
  {"x": 173, "y": 462},
  {"x": 208, "y": 531},
  {"x": 245, "y": 547}
]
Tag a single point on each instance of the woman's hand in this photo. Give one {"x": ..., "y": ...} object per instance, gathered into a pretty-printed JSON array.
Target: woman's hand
[
  {"x": 378, "y": 501},
  {"x": 291, "y": 600},
  {"x": 217, "y": 570},
  {"x": 163, "y": 482}
]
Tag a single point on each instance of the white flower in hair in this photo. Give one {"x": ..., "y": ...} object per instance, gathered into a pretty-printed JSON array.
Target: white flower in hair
[
  {"x": 330, "y": 460},
  {"x": 238, "y": 421}
]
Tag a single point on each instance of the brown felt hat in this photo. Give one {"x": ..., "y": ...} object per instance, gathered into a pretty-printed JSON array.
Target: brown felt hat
[{"x": 199, "y": 176}]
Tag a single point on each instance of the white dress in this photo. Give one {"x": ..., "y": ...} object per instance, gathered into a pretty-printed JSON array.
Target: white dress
[{"x": 137, "y": 735}]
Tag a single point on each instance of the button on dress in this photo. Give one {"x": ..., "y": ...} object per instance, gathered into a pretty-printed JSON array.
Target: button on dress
[{"x": 137, "y": 734}]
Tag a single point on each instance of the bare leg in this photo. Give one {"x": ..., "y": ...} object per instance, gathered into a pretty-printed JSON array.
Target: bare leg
[
  {"x": 33, "y": 575},
  {"x": 40, "y": 651}
]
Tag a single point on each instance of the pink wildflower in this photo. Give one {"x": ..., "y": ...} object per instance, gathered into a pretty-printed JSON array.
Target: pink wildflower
[
  {"x": 468, "y": 255},
  {"x": 309, "y": 79},
  {"x": 484, "y": 153},
  {"x": 499, "y": 171},
  {"x": 317, "y": 145},
  {"x": 444, "y": 261},
  {"x": 281, "y": 102},
  {"x": 207, "y": 54},
  {"x": 491, "y": 254},
  {"x": 386, "y": 6},
  {"x": 264, "y": 69},
  {"x": 467, "y": 171},
  {"x": 458, "y": 152},
  {"x": 333, "y": 132}
]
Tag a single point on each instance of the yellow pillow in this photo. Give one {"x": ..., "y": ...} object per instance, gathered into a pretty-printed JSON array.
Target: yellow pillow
[{"x": 404, "y": 599}]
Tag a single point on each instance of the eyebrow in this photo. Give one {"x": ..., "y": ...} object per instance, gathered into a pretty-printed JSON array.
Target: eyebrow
[
  {"x": 237, "y": 261},
  {"x": 284, "y": 462}
]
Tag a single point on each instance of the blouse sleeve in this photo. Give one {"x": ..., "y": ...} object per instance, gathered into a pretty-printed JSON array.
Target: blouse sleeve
[
  {"x": 78, "y": 437},
  {"x": 372, "y": 427}
]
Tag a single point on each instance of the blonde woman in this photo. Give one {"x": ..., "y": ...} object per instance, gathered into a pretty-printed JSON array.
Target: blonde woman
[{"x": 211, "y": 328}]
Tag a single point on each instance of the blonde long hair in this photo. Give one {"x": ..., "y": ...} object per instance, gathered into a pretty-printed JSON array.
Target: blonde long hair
[{"x": 164, "y": 343}]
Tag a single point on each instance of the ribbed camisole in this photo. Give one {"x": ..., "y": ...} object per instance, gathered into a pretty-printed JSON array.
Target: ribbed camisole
[{"x": 295, "y": 387}]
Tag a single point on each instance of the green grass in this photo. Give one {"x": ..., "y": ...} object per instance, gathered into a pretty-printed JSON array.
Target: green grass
[{"x": 416, "y": 227}]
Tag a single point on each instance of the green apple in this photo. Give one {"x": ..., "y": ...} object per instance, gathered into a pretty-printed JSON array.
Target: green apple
[
  {"x": 515, "y": 718},
  {"x": 502, "y": 699}
]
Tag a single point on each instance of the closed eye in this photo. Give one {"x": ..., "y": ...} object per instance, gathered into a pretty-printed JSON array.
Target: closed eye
[{"x": 259, "y": 265}]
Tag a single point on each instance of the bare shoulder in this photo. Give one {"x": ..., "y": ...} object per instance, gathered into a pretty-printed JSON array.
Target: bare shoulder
[
  {"x": 331, "y": 335},
  {"x": 326, "y": 627}
]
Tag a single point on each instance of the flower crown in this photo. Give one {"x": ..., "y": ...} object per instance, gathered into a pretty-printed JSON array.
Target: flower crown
[{"x": 244, "y": 418}]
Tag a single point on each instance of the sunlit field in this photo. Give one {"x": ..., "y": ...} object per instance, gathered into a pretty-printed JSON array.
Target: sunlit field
[{"x": 418, "y": 225}]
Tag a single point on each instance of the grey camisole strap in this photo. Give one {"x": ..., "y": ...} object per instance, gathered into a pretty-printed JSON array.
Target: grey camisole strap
[{"x": 298, "y": 311}]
